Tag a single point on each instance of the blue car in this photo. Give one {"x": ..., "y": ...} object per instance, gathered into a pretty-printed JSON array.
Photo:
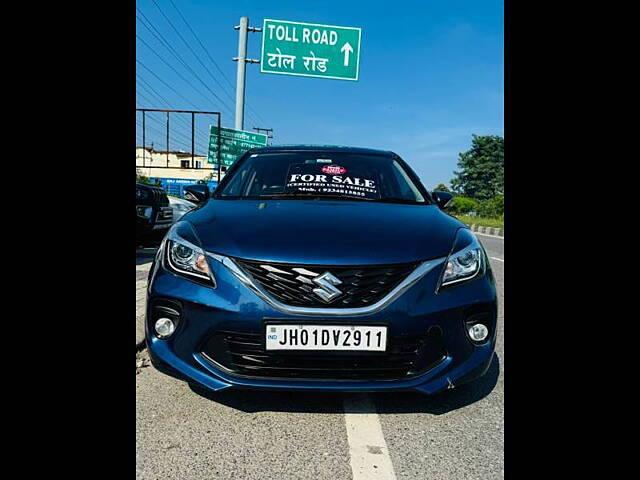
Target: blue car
[{"x": 321, "y": 268}]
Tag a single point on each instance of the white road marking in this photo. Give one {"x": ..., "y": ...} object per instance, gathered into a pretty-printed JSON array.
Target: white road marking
[
  {"x": 368, "y": 453},
  {"x": 496, "y": 258},
  {"x": 487, "y": 235}
]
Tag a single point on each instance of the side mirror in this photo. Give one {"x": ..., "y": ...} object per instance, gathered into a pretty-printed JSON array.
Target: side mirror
[
  {"x": 443, "y": 199},
  {"x": 196, "y": 193}
]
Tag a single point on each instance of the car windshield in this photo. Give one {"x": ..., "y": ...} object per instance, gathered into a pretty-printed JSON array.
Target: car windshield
[{"x": 335, "y": 175}]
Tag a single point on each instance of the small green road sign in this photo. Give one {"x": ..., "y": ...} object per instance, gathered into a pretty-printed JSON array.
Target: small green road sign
[
  {"x": 233, "y": 145},
  {"x": 310, "y": 50}
]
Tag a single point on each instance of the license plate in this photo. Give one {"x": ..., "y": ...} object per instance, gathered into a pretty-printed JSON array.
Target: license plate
[{"x": 326, "y": 337}]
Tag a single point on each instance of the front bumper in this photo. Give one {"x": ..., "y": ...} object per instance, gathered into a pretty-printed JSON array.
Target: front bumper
[
  {"x": 232, "y": 306},
  {"x": 161, "y": 219}
]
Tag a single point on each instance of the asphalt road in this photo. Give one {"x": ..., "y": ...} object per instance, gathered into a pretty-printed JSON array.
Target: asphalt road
[{"x": 181, "y": 434}]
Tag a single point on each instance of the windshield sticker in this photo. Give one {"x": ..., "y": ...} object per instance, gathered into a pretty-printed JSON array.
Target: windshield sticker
[
  {"x": 332, "y": 180},
  {"x": 334, "y": 170}
]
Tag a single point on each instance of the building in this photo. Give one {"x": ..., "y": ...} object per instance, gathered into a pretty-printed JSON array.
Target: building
[
  {"x": 173, "y": 164},
  {"x": 175, "y": 169}
]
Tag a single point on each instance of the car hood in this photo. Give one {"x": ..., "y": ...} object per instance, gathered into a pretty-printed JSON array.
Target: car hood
[{"x": 323, "y": 232}]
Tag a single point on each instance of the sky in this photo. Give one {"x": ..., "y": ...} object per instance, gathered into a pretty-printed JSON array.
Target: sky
[{"x": 431, "y": 75}]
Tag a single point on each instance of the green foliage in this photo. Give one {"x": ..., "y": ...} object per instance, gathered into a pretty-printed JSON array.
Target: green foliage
[
  {"x": 208, "y": 178},
  {"x": 461, "y": 205},
  {"x": 481, "y": 168},
  {"x": 442, "y": 188},
  {"x": 492, "y": 208},
  {"x": 141, "y": 178}
]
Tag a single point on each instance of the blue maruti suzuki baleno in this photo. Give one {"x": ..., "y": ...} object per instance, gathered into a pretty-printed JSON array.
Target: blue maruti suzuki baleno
[{"x": 321, "y": 268}]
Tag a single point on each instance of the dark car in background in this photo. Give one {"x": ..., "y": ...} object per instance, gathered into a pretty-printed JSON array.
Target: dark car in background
[
  {"x": 154, "y": 215},
  {"x": 180, "y": 206},
  {"x": 321, "y": 268}
]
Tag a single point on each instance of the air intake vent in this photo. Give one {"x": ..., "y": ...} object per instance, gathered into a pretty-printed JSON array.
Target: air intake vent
[{"x": 245, "y": 354}]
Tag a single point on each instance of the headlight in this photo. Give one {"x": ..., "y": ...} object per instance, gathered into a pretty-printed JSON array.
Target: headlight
[
  {"x": 467, "y": 262},
  {"x": 184, "y": 257},
  {"x": 144, "y": 212}
]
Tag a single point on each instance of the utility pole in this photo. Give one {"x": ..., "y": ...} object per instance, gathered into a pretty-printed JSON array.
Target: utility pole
[
  {"x": 268, "y": 131},
  {"x": 242, "y": 60}
]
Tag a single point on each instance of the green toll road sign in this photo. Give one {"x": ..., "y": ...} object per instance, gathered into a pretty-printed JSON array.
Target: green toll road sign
[
  {"x": 233, "y": 144},
  {"x": 310, "y": 50}
]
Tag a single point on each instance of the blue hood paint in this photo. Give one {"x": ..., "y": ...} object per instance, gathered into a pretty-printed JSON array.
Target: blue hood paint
[{"x": 324, "y": 232}]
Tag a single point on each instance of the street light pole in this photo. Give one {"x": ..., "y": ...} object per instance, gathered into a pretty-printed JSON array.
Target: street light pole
[
  {"x": 242, "y": 60},
  {"x": 241, "y": 75}
]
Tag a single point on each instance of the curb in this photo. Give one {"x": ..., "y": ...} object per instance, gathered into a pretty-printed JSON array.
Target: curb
[{"x": 497, "y": 232}]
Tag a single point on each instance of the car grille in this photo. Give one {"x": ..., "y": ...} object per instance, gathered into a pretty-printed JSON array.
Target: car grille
[
  {"x": 244, "y": 354},
  {"x": 293, "y": 284},
  {"x": 165, "y": 215},
  {"x": 160, "y": 197}
]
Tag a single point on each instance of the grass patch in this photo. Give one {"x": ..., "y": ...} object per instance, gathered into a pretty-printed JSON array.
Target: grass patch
[{"x": 482, "y": 221}]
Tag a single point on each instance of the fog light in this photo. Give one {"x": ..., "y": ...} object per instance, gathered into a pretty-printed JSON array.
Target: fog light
[
  {"x": 144, "y": 212},
  {"x": 164, "y": 327},
  {"x": 478, "y": 332}
]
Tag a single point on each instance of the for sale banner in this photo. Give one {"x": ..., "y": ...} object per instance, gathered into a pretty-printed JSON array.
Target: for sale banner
[{"x": 332, "y": 179}]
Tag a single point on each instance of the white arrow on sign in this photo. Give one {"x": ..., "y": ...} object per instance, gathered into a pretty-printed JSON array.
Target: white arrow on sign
[{"x": 347, "y": 49}]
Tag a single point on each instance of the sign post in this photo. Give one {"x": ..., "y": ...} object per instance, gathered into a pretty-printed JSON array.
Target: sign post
[
  {"x": 242, "y": 59},
  {"x": 310, "y": 50},
  {"x": 233, "y": 144}
]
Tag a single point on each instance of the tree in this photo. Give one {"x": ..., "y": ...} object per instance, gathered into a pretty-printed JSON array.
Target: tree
[
  {"x": 208, "y": 178},
  {"x": 481, "y": 173},
  {"x": 441, "y": 187},
  {"x": 141, "y": 178},
  {"x": 464, "y": 205},
  {"x": 492, "y": 208}
]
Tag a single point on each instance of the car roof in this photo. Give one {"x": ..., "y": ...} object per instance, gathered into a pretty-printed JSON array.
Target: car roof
[{"x": 319, "y": 148}]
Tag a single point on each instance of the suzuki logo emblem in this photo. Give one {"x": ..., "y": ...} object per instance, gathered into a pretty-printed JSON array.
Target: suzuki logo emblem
[{"x": 327, "y": 291}]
